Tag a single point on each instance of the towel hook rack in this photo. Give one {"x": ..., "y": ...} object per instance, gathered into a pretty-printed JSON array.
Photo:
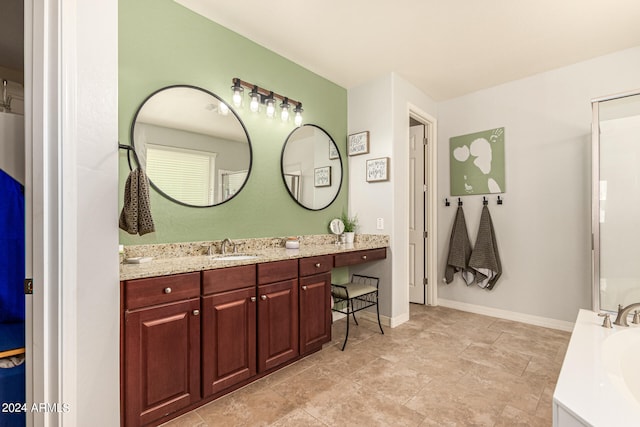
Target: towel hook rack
[
  {"x": 485, "y": 202},
  {"x": 459, "y": 201},
  {"x": 129, "y": 149},
  {"x": 499, "y": 201},
  {"x": 447, "y": 202}
]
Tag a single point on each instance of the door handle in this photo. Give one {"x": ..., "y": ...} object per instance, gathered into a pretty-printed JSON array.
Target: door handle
[{"x": 263, "y": 297}]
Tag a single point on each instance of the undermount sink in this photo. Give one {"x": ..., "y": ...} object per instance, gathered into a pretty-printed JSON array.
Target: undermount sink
[{"x": 234, "y": 257}]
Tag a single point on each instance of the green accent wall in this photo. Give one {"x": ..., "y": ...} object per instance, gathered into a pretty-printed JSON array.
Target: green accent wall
[{"x": 162, "y": 43}]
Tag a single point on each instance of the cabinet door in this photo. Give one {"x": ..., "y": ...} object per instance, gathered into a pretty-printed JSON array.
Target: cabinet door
[
  {"x": 228, "y": 339},
  {"x": 315, "y": 312},
  {"x": 277, "y": 323},
  {"x": 162, "y": 346}
]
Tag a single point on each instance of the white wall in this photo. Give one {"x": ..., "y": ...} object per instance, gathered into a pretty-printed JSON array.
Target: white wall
[
  {"x": 543, "y": 229},
  {"x": 12, "y": 145},
  {"x": 382, "y": 108},
  {"x": 96, "y": 263}
]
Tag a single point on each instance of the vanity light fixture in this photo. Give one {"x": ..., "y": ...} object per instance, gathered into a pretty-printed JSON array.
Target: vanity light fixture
[
  {"x": 254, "y": 103},
  {"x": 268, "y": 98},
  {"x": 237, "y": 93},
  {"x": 270, "y": 102},
  {"x": 284, "y": 110},
  {"x": 298, "y": 114}
]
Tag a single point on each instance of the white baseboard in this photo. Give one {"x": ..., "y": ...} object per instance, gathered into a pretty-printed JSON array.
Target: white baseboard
[
  {"x": 371, "y": 316},
  {"x": 508, "y": 315}
]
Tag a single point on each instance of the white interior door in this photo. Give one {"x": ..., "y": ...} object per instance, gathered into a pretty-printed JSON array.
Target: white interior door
[{"x": 417, "y": 213}]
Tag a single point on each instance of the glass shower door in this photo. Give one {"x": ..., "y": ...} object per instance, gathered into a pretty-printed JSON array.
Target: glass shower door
[{"x": 616, "y": 201}]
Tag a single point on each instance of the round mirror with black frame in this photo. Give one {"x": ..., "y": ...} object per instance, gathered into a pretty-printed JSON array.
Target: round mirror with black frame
[
  {"x": 311, "y": 167},
  {"x": 192, "y": 145}
]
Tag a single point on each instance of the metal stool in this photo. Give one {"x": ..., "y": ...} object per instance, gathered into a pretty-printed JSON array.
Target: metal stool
[{"x": 360, "y": 293}]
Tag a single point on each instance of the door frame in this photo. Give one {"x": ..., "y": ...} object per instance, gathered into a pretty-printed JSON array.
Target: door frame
[
  {"x": 431, "y": 177},
  {"x": 50, "y": 201}
]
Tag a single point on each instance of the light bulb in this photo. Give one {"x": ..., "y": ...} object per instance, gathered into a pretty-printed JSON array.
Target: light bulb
[
  {"x": 237, "y": 92},
  {"x": 271, "y": 106},
  {"x": 271, "y": 109},
  {"x": 255, "y": 103},
  {"x": 284, "y": 113},
  {"x": 237, "y": 98},
  {"x": 298, "y": 117},
  {"x": 223, "y": 108}
]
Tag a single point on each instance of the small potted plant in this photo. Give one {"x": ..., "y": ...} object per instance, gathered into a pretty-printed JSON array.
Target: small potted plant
[{"x": 350, "y": 224}]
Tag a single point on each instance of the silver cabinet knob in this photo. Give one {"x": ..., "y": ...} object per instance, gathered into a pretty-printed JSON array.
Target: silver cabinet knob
[
  {"x": 263, "y": 297},
  {"x": 167, "y": 290},
  {"x": 317, "y": 265},
  {"x": 253, "y": 299},
  {"x": 304, "y": 288},
  {"x": 364, "y": 257},
  {"x": 196, "y": 312}
]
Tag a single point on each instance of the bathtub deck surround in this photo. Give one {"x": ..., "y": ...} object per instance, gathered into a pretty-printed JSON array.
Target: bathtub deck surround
[
  {"x": 599, "y": 381},
  {"x": 174, "y": 258}
]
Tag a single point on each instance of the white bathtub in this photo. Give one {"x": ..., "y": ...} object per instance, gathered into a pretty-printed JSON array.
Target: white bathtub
[{"x": 599, "y": 384}]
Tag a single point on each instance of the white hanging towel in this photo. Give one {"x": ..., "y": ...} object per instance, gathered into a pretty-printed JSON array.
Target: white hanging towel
[{"x": 485, "y": 259}]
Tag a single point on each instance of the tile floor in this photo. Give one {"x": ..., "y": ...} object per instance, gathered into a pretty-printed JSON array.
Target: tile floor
[{"x": 442, "y": 368}]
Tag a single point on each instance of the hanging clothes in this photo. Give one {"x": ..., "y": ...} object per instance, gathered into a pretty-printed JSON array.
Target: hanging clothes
[
  {"x": 12, "y": 249},
  {"x": 135, "y": 217},
  {"x": 459, "y": 251},
  {"x": 485, "y": 259}
]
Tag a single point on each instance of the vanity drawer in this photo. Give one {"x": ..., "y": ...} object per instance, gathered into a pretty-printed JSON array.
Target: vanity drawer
[
  {"x": 160, "y": 290},
  {"x": 316, "y": 265},
  {"x": 228, "y": 279},
  {"x": 277, "y": 271},
  {"x": 358, "y": 257}
]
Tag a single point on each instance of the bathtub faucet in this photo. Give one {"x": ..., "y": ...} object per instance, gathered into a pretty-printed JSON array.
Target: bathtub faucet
[{"x": 623, "y": 312}]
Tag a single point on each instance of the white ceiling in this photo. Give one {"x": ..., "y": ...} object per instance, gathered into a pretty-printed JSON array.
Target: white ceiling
[{"x": 446, "y": 48}]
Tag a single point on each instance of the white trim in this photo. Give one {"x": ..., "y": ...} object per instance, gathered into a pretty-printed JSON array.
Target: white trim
[
  {"x": 509, "y": 315},
  {"x": 68, "y": 210},
  {"x": 432, "y": 201},
  {"x": 391, "y": 322},
  {"x": 50, "y": 164}
]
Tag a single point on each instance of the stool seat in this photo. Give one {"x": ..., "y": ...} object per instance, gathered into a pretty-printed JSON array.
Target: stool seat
[{"x": 353, "y": 290}]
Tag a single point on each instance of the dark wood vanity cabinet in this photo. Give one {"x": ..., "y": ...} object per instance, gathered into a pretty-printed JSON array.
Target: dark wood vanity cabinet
[
  {"x": 359, "y": 257},
  {"x": 161, "y": 346},
  {"x": 190, "y": 338},
  {"x": 277, "y": 313},
  {"x": 315, "y": 302},
  {"x": 228, "y": 327}
]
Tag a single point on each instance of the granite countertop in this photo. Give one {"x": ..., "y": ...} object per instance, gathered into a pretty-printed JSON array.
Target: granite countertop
[{"x": 190, "y": 257}]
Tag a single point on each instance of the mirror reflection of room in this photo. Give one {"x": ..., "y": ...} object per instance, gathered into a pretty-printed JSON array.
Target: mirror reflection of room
[
  {"x": 192, "y": 146},
  {"x": 311, "y": 167}
]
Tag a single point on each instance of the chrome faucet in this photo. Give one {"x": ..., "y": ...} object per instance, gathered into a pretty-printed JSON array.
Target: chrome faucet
[
  {"x": 226, "y": 242},
  {"x": 623, "y": 312}
]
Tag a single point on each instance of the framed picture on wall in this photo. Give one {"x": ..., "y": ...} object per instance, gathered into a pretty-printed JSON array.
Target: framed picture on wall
[
  {"x": 358, "y": 143},
  {"x": 476, "y": 163},
  {"x": 322, "y": 176},
  {"x": 378, "y": 169},
  {"x": 333, "y": 151}
]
